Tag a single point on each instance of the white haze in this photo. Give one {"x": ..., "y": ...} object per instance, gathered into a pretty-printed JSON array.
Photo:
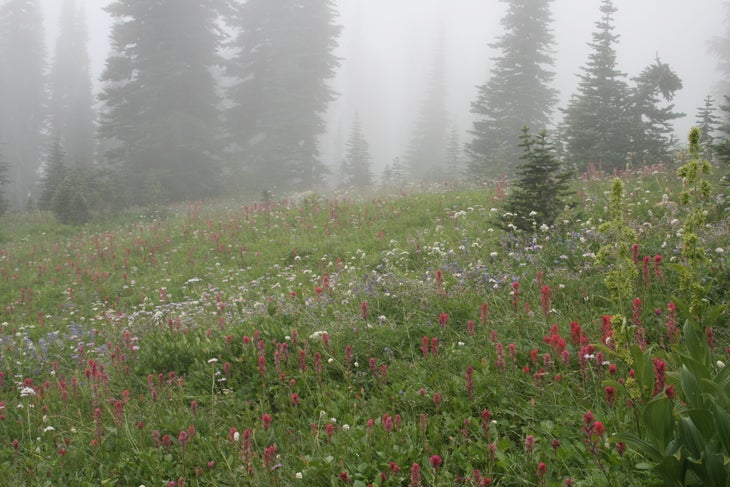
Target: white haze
[{"x": 388, "y": 46}]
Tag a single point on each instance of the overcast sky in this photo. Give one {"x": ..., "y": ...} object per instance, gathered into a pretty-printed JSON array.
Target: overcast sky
[{"x": 387, "y": 47}]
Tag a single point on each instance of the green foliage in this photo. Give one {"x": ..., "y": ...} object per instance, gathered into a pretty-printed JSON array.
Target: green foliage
[
  {"x": 356, "y": 168},
  {"x": 614, "y": 256},
  {"x": 54, "y": 173},
  {"x": 540, "y": 188},
  {"x": 71, "y": 199},
  {"x": 284, "y": 58},
  {"x": 708, "y": 122},
  {"x": 3, "y": 185},
  {"x": 513, "y": 98},
  {"x": 686, "y": 438},
  {"x": 695, "y": 200},
  {"x": 166, "y": 52},
  {"x": 610, "y": 122},
  {"x": 722, "y": 147}
]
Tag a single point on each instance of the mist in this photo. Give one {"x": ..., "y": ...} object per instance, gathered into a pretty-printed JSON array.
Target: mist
[{"x": 386, "y": 48}]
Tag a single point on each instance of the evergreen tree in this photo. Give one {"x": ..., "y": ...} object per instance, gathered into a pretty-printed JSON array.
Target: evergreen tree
[
  {"x": 722, "y": 147},
  {"x": 596, "y": 125},
  {"x": 397, "y": 172},
  {"x": 356, "y": 167},
  {"x": 54, "y": 173},
  {"x": 72, "y": 103},
  {"x": 540, "y": 187},
  {"x": 518, "y": 92},
  {"x": 161, "y": 116},
  {"x": 708, "y": 122},
  {"x": 427, "y": 150},
  {"x": 71, "y": 201},
  {"x": 720, "y": 47},
  {"x": 454, "y": 159},
  {"x": 22, "y": 95},
  {"x": 651, "y": 123},
  {"x": 3, "y": 185},
  {"x": 283, "y": 60}
]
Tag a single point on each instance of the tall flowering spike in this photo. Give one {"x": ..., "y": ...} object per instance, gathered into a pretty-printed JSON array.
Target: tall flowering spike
[
  {"x": 415, "y": 476},
  {"x": 364, "y": 310}
]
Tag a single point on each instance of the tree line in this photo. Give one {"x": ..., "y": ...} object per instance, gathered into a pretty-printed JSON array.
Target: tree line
[{"x": 207, "y": 97}]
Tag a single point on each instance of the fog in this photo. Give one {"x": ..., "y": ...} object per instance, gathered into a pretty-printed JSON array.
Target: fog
[{"x": 387, "y": 47}]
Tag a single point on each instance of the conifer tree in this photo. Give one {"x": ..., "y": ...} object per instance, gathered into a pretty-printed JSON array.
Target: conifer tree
[
  {"x": 540, "y": 187},
  {"x": 720, "y": 47},
  {"x": 518, "y": 92},
  {"x": 596, "y": 125},
  {"x": 282, "y": 63},
  {"x": 454, "y": 156},
  {"x": 72, "y": 103},
  {"x": 161, "y": 115},
  {"x": 651, "y": 131},
  {"x": 357, "y": 164},
  {"x": 426, "y": 155},
  {"x": 22, "y": 96},
  {"x": 3, "y": 185},
  {"x": 722, "y": 147},
  {"x": 54, "y": 173},
  {"x": 708, "y": 122}
]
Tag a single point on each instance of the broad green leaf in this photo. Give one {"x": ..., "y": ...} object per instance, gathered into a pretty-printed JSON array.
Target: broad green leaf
[
  {"x": 691, "y": 388},
  {"x": 659, "y": 422},
  {"x": 722, "y": 423},
  {"x": 716, "y": 473},
  {"x": 691, "y": 438},
  {"x": 642, "y": 447},
  {"x": 703, "y": 420}
]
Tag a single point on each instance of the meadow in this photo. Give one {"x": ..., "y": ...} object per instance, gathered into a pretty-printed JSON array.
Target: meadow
[{"x": 402, "y": 339}]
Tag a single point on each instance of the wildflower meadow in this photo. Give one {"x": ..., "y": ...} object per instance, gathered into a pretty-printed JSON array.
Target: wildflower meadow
[{"x": 402, "y": 339}]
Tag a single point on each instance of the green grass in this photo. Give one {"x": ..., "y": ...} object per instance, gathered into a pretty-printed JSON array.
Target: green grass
[{"x": 152, "y": 350}]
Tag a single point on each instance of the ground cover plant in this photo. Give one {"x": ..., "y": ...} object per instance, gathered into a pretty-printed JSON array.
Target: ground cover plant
[{"x": 400, "y": 340}]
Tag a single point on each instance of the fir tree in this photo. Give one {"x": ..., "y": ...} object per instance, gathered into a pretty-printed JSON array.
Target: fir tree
[
  {"x": 71, "y": 201},
  {"x": 720, "y": 47},
  {"x": 22, "y": 95},
  {"x": 596, "y": 125},
  {"x": 454, "y": 157},
  {"x": 651, "y": 123},
  {"x": 161, "y": 114},
  {"x": 54, "y": 173},
  {"x": 3, "y": 185},
  {"x": 540, "y": 186},
  {"x": 427, "y": 150},
  {"x": 72, "y": 103},
  {"x": 518, "y": 92},
  {"x": 708, "y": 123},
  {"x": 722, "y": 147},
  {"x": 357, "y": 163},
  {"x": 283, "y": 61}
]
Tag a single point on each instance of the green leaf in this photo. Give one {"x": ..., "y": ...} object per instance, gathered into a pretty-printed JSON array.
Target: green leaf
[
  {"x": 704, "y": 421},
  {"x": 716, "y": 473},
  {"x": 722, "y": 423},
  {"x": 659, "y": 422},
  {"x": 642, "y": 447},
  {"x": 691, "y": 438},
  {"x": 691, "y": 388}
]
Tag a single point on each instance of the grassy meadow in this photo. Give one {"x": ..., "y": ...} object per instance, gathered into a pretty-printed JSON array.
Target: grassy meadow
[{"x": 397, "y": 340}]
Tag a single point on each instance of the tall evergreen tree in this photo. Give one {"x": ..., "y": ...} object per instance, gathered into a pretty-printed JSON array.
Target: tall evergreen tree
[
  {"x": 282, "y": 63},
  {"x": 518, "y": 92},
  {"x": 651, "y": 128},
  {"x": 708, "y": 122},
  {"x": 722, "y": 146},
  {"x": 3, "y": 185},
  {"x": 161, "y": 112},
  {"x": 426, "y": 155},
  {"x": 22, "y": 95},
  {"x": 454, "y": 155},
  {"x": 72, "y": 102},
  {"x": 54, "y": 173},
  {"x": 720, "y": 47},
  {"x": 357, "y": 164},
  {"x": 596, "y": 128}
]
